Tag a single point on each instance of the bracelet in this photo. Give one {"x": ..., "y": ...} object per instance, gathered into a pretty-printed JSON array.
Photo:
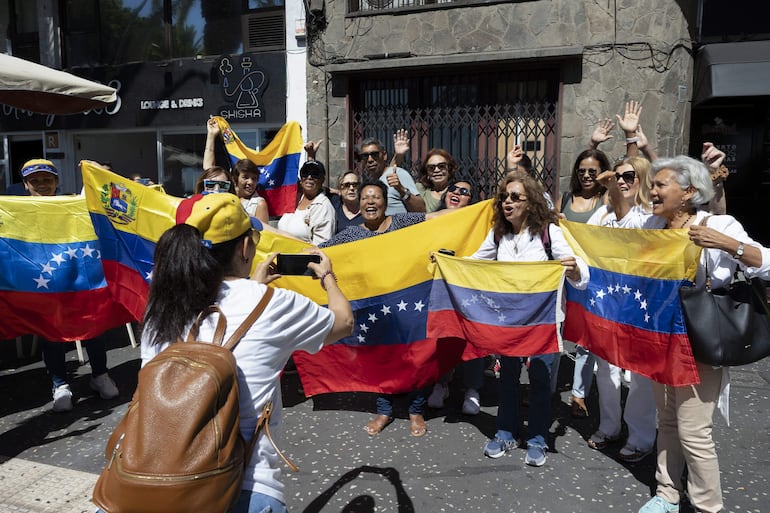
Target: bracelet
[
  {"x": 406, "y": 195},
  {"x": 324, "y": 275},
  {"x": 631, "y": 140}
]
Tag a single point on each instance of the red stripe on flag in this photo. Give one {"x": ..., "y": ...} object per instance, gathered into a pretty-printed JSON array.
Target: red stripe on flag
[
  {"x": 281, "y": 199},
  {"x": 662, "y": 357},
  {"x": 484, "y": 339},
  {"x": 127, "y": 287}
]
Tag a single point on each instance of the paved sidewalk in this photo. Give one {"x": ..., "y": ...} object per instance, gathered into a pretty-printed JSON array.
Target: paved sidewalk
[{"x": 29, "y": 487}]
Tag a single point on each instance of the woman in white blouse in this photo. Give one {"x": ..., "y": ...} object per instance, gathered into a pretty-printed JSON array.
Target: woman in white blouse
[{"x": 314, "y": 220}]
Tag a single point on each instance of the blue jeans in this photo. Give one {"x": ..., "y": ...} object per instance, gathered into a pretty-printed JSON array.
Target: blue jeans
[
  {"x": 508, "y": 412},
  {"x": 583, "y": 376},
  {"x": 54, "y": 359},
  {"x": 253, "y": 502},
  {"x": 417, "y": 400}
]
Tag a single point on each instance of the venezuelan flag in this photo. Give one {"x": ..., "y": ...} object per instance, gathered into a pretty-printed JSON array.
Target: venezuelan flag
[
  {"x": 388, "y": 279},
  {"x": 507, "y": 308},
  {"x": 278, "y": 162},
  {"x": 630, "y": 314},
  {"x": 52, "y": 281},
  {"x": 128, "y": 218}
]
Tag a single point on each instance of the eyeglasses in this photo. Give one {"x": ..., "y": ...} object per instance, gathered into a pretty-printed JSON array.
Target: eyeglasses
[
  {"x": 441, "y": 166},
  {"x": 515, "y": 197},
  {"x": 350, "y": 185},
  {"x": 627, "y": 176},
  {"x": 590, "y": 172},
  {"x": 365, "y": 156},
  {"x": 461, "y": 191},
  {"x": 216, "y": 185}
]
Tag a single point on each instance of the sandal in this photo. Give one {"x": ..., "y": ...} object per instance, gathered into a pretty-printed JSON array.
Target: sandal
[
  {"x": 377, "y": 424},
  {"x": 578, "y": 408},
  {"x": 417, "y": 424},
  {"x": 600, "y": 441},
  {"x": 631, "y": 454}
]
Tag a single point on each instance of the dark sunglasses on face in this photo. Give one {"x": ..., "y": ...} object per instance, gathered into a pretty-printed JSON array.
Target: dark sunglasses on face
[
  {"x": 627, "y": 176},
  {"x": 350, "y": 185},
  {"x": 216, "y": 185},
  {"x": 441, "y": 166},
  {"x": 310, "y": 173},
  {"x": 515, "y": 197},
  {"x": 461, "y": 191},
  {"x": 590, "y": 172},
  {"x": 365, "y": 156}
]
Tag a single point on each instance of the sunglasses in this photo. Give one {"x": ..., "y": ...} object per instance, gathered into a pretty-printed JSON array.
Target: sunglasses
[
  {"x": 441, "y": 166},
  {"x": 590, "y": 172},
  {"x": 365, "y": 156},
  {"x": 350, "y": 185},
  {"x": 310, "y": 173},
  {"x": 515, "y": 197},
  {"x": 461, "y": 191},
  {"x": 627, "y": 176},
  {"x": 216, "y": 185}
]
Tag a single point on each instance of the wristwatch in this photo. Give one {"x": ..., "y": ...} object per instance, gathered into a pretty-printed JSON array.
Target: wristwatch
[
  {"x": 406, "y": 195},
  {"x": 739, "y": 251}
]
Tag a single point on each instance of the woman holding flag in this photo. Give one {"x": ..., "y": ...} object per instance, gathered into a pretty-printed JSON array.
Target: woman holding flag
[
  {"x": 681, "y": 187},
  {"x": 525, "y": 230}
]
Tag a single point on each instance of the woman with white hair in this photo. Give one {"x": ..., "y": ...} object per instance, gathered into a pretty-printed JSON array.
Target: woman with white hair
[{"x": 681, "y": 187}]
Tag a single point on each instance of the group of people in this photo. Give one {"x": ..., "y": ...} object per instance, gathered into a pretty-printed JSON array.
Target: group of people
[{"x": 634, "y": 192}]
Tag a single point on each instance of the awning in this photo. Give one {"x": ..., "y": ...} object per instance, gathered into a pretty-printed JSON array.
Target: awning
[
  {"x": 37, "y": 88},
  {"x": 732, "y": 69}
]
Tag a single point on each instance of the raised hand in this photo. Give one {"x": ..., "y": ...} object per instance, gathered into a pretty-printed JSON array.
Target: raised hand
[
  {"x": 630, "y": 120},
  {"x": 602, "y": 132},
  {"x": 311, "y": 147},
  {"x": 513, "y": 158}
]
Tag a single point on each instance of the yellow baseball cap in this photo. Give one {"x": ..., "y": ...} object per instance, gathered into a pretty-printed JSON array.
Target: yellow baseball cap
[{"x": 219, "y": 217}]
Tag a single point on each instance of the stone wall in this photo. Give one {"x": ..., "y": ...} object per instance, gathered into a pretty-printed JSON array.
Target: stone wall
[{"x": 633, "y": 49}]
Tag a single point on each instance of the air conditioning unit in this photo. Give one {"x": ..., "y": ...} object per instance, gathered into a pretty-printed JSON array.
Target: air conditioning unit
[{"x": 264, "y": 31}]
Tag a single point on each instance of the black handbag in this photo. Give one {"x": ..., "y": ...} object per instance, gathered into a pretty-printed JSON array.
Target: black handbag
[{"x": 729, "y": 325}]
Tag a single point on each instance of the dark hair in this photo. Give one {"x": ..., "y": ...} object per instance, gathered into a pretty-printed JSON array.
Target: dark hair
[
  {"x": 473, "y": 199},
  {"x": 539, "y": 215},
  {"x": 368, "y": 182},
  {"x": 604, "y": 163},
  {"x": 185, "y": 279},
  {"x": 452, "y": 163},
  {"x": 209, "y": 173}
]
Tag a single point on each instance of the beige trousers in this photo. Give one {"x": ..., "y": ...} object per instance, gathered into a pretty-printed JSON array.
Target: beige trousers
[{"x": 685, "y": 421}]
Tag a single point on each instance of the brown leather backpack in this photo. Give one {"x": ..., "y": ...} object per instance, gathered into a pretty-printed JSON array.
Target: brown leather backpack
[{"x": 179, "y": 448}]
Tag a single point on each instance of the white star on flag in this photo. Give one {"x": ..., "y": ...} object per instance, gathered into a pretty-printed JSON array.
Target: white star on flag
[
  {"x": 419, "y": 306},
  {"x": 637, "y": 295},
  {"x": 72, "y": 252},
  {"x": 385, "y": 309},
  {"x": 361, "y": 339},
  {"x": 600, "y": 293},
  {"x": 372, "y": 317},
  {"x": 643, "y": 304},
  {"x": 47, "y": 268},
  {"x": 626, "y": 289},
  {"x": 57, "y": 257},
  {"x": 364, "y": 327},
  {"x": 88, "y": 250},
  {"x": 402, "y": 306},
  {"x": 41, "y": 282}
]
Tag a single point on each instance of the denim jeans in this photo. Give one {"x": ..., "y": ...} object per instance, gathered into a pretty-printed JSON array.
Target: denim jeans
[
  {"x": 583, "y": 376},
  {"x": 417, "y": 400},
  {"x": 508, "y": 412},
  {"x": 54, "y": 359},
  {"x": 253, "y": 502}
]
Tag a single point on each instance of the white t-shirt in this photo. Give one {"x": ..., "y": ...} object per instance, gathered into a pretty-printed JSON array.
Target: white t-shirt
[{"x": 290, "y": 322}]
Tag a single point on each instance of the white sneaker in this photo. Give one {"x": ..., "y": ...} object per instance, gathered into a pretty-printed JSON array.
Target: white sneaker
[
  {"x": 104, "y": 385},
  {"x": 62, "y": 398},
  {"x": 471, "y": 404},
  {"x": 438, "y": 396}
]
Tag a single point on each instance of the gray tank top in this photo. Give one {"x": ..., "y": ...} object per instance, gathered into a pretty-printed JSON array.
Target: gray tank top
[{"x": 578, "y": 217}]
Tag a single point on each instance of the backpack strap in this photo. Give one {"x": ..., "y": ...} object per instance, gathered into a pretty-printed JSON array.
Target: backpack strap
[
  {"x": 264, "y": 423},
  {"x": 219, "y": 331},
  {"x": 546, "y": 240},
  {"x": 248, "y": 322}
]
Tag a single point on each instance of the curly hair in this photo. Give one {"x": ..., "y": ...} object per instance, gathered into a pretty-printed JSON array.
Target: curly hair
[
  {"x": 451, "y": 163},
  {"x": 538, "y": 214}
]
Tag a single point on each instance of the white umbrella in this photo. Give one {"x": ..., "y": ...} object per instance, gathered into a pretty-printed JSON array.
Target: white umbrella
[{"x": 37, "y": 88}]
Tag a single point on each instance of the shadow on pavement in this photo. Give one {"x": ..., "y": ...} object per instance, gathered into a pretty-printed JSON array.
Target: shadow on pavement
[{"x": 364, "y": 503}]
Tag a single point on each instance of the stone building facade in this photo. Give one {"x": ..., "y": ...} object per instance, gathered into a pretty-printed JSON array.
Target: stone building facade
[{"x": 596, "y": 55}]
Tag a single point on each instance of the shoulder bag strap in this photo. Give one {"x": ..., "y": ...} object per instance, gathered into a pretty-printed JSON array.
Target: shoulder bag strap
[
  {"x": 264, "y": 423},
  {"x": 704, "y": 222},
  {"x": 250, "y": 320},
  {"x": 546, "y": 241}
]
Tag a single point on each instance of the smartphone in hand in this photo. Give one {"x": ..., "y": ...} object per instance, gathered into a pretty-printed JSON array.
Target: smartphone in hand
[{"x": 295, "y": 264}]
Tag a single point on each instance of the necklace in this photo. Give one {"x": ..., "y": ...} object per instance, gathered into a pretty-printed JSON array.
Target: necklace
[
  {"x": 684, "y": 223},
  {"x": 516, "y": 239}
]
